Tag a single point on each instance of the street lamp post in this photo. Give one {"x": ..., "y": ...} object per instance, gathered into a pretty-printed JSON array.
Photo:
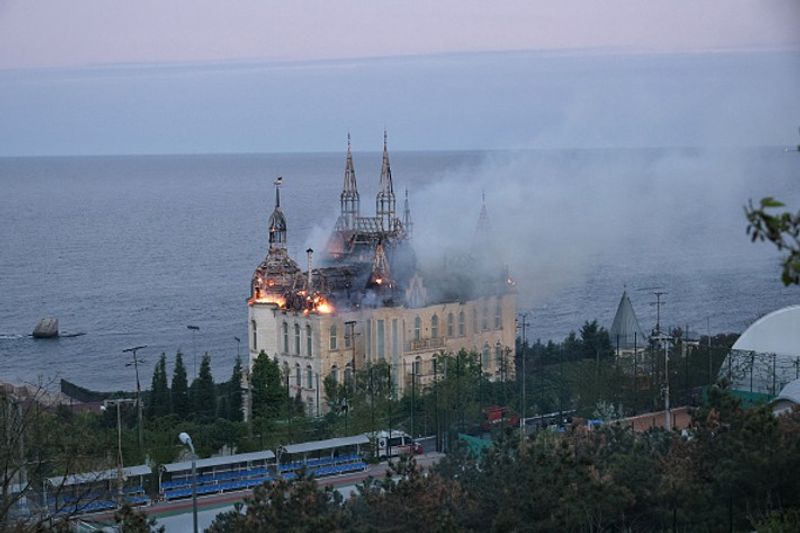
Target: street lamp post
[
  {"x": 120, "y": 472},
  {"x": 194, "y": 329},
  {"x": 138, "y": 391},
  {"x": 667, "y": 413},
  {"x": 187, "y": 441}
]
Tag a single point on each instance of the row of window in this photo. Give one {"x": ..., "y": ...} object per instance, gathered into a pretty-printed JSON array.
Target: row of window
[
  {"x": 416, "y": 367},
  {"x": 298, "y": 375},
  {"x": 462, "y": 326},
  {"x": 333, "y": 333}
]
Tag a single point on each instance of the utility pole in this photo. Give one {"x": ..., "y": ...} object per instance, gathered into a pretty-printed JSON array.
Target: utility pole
[
  {"x": 413, "y": 392},
  {"x": 194, "y": 329},
  {"x": 635, "y": 371},
  {"x": 120, "y": 468},
  {"x": 667, "y": 413},
  {"x": 138, "y": 391},
  {"x": 524, "y": 378},
  {"x": 391, "y": 396},
  {"x": 710, "y": 365},
  {"x": 658, "y": 303},
  {"x": 436, "y": 402}
]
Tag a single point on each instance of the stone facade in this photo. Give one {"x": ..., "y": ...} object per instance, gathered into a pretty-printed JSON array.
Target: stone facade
[{"x": 312, "y": 346}]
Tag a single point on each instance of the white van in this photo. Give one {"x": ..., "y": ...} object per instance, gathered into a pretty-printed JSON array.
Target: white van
[{"x": 396, "y": 444}]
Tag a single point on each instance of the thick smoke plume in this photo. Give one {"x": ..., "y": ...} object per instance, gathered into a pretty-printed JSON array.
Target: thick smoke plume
[{"x": 556, "y": 215}]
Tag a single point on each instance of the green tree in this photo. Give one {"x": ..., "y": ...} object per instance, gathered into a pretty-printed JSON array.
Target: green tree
[
  {"x": 130, "y": 520},
  {"x": 594, "y": 341},
  {"x": 235, "y": 393},
  {"x": 285, "y": 506},
  {"x": 180, "y": 388},
  {"x": 159, "y": 400},
  {"x": 269, "y": 392},
  {"x": 407, "y": 499},
  {"x": 781, "y": 229},
  {"x": 204, "y": 395}
]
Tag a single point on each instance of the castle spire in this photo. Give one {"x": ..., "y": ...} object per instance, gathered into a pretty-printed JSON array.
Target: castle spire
[
  {"x": 385, "y": 201},
  {"x": 349, "y": 199},
  {"x": 407, "y": 224},
  {"x": 381, "y": 275},
  {"x": 483, "y": 219},
  {"x": 277, "y": 222}
]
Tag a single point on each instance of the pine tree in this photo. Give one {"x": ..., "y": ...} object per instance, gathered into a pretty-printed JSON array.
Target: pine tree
[
  {"x": 234, "y": 400},
  {"x": 204, "y": 395},
  {"x": 159, "y": 404},
  {"x": 180, "y": 388},
  {"x": 269, "y": 393}
]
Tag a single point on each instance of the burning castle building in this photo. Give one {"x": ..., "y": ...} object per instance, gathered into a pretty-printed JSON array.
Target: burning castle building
[{"x": 368, "y": 301}]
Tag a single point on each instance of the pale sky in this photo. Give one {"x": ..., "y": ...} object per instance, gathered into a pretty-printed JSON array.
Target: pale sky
[
  {"x": 195, "y": 76},
  {"x": 74, "y": 33}
]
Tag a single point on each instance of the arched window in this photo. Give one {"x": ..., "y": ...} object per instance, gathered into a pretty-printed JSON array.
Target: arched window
[
  {"x": 498, "y": 315},
  {"x": 298, "y": 378},
  {"x": 255, "y": 335},
  {"x": 434, "y": 326},
  {"x": 416, "y": 368},
  {"x": 286, "y": 373},
  {"x": 348, "y": 374},
  {"x": 309, "y": 377},
  {"x": 498, "y": 354},
  {"x": 485, "y": 316},
  {"x": 335, "y": 374},
  {"x": 297, "y": 339},
  {"x": 450, "y": 325},
  {"x": 309, "y": 350},
  {"x": 417, "y": 328},
  {"x": 333, "y": 337},
  {"x": 462, "y": 326},
  {"x": 285, "y": 337},
  {"x": 485, "y": 356}
]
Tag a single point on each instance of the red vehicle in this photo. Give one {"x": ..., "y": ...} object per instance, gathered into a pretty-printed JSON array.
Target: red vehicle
[{"x": 497, "y": 416}]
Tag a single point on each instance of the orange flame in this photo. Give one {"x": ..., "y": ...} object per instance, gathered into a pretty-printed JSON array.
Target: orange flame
[
  {"x": 324, "y": 308},
  {"x": 280, "y": 301}
]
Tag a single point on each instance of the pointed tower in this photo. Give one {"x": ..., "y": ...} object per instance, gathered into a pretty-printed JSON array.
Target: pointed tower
[
  {"x": 275, "y": 276},
  {"x": 625, "y": 331},
  {"x": 277, "y": 222},
  {"x": 385, "y": 201},
  {"x": 381, "y": 276},
  {"x": 407, "y": 224},
  {"x": 349, "y": 199},
  {"x": 483, "y": 218}
]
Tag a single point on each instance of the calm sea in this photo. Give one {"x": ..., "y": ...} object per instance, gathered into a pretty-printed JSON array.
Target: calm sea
[{"x": 131, "y": 250}]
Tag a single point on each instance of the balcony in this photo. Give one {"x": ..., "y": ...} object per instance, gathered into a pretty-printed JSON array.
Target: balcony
[{"x": 422, "y": 345}]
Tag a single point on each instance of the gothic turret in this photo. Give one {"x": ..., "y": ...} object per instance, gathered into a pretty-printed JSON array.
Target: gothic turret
[
  {"x": 275, "y": 276},
  {"x": 407, "y": 224},
  {"x": 381, "y": 276},
  {"x": 483, "y": 229},
  {"x": 277, "y": 222},
  {"x": 349, "y": 199},
  {"x": 385, "y": 201}
]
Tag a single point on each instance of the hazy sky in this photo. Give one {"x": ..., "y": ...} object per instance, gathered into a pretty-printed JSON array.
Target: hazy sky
[{"x": 100, "y": 76}]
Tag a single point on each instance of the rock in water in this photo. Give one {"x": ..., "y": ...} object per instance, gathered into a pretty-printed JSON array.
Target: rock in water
[{"x": 46, "y": 328}]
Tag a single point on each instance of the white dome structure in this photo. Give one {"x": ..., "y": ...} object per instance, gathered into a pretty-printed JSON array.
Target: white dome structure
[
  {"x": 788, "y": 399},
  {"x": 777, "y": 332},
  {"x": 766, "y": 357}
]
